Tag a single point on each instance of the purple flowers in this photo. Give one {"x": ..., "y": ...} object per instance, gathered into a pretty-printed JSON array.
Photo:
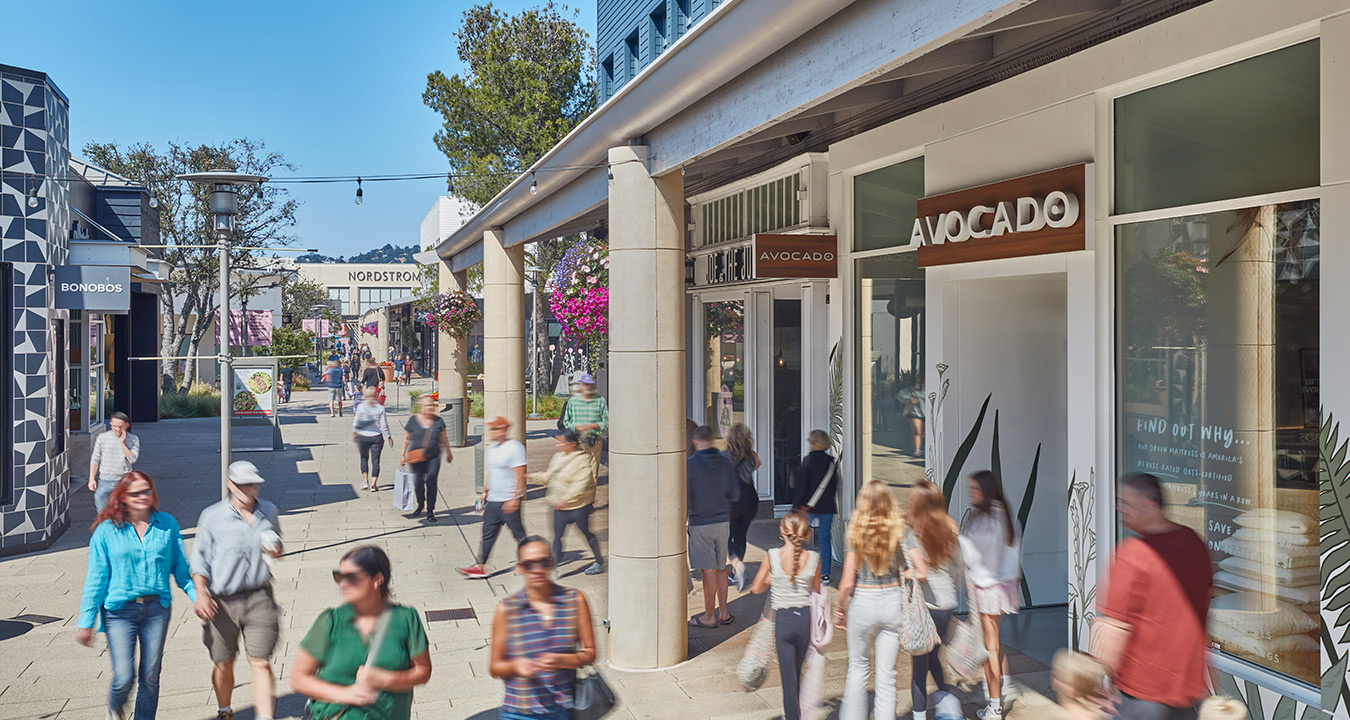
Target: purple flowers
[
  {"x": 454, "y": 313},
  {"x": 580, "y": 298}
]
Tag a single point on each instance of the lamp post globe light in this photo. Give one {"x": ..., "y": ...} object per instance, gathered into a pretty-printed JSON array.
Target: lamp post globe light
[{"x": 224, "y": 204}]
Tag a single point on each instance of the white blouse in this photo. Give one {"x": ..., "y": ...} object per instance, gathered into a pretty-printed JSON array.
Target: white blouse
[{"x": 990, "y": 560}]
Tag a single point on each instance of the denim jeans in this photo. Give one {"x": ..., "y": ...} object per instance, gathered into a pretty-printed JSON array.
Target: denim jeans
[
  {"x": 873, "y": 615},
  {"x": 105, "y": 488},
  {"x": 148, "y": 624},
  {"x": 823, "y": 542}
]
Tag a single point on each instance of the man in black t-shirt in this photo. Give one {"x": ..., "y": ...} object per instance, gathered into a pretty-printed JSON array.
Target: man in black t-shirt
[
  {"x": 287, "y": 379},
  {"x": 371, "y": 377}
]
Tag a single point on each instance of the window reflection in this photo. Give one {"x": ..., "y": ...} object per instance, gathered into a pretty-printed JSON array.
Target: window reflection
[
  {"x": 724, "y": 365},
  {"x": 892, "y": 409},
  {"x": 1219, "y": 391}
]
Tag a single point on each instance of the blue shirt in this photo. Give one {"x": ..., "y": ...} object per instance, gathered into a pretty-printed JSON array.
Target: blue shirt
[
  {"x": 122, "y": 567},
  {"x": 334, "y": 376}
]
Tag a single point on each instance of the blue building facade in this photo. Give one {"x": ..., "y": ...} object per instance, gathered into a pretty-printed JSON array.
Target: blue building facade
[{"x": 629, "y": 34}]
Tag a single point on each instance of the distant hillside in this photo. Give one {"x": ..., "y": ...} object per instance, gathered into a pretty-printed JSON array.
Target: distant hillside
[{"x": 386, "y": 254}]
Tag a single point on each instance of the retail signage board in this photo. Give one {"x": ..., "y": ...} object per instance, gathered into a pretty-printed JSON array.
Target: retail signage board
[
  {"x": 100, "y": 288},
  {"x": 1032, "y": 215},
  {"x": 796, "y": 256}
]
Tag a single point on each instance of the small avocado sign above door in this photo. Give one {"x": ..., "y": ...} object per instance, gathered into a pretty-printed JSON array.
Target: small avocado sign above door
[
  {"x": 1033, "y": 215},
  {"x": 796, "y": 256}
]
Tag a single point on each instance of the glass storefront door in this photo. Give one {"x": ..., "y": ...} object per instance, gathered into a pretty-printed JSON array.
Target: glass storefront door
[
  {"x": 724, "y": 365},
  {"x": 786, "y": 374}
]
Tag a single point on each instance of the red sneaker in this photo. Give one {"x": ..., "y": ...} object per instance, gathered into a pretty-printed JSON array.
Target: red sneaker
[{"x": 472, "y": 572}]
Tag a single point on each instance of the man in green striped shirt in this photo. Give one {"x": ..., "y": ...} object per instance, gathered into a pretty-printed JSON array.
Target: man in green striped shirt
[{"x": 588, "y": 416}]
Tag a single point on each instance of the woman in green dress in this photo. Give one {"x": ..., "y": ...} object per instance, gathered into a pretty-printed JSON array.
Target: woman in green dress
[{"x": 332, "y": 668}]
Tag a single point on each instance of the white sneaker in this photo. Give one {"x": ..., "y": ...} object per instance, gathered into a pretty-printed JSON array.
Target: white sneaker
[{"x": 989, "y": 712}]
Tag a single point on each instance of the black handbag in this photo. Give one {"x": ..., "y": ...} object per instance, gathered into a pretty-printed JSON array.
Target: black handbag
[{"x": 594, "y": 699}]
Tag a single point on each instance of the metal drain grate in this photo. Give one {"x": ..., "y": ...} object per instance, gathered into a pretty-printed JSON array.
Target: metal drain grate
[
  {"x": 452, "y": 614},
  {"x": 36, "y": 619}
]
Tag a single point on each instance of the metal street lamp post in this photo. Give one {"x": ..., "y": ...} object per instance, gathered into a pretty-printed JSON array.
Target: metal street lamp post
[{"x": 224, "y": 204}]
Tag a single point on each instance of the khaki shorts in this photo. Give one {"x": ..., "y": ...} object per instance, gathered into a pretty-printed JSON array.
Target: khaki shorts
[
  {"x": 708, "y": 546},
  {"x": 252, "y": 613}
]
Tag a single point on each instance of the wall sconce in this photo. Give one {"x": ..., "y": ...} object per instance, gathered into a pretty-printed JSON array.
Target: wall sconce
[{"x": 688, "y": 272}]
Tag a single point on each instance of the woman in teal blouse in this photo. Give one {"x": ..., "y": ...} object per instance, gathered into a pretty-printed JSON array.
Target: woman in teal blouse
[
  {"x": 331, "y": 667},
  {"x": 133, "y": 553}
]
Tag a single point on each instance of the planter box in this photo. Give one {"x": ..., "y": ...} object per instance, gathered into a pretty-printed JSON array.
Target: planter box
[{"x": 388, "y": 373}]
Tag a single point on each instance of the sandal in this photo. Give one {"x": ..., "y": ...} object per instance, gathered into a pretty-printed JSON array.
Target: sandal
[
  {"x": 730, "y": 619},
  {"x": 697, "y": 621}
]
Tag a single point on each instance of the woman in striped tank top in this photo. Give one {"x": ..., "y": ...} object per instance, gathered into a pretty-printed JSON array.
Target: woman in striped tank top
[{"x": 540, "y": 637}]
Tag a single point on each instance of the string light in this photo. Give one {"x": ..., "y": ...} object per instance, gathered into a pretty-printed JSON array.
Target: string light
[
  {"x": 32, "y": 193},
  {"x": 154, "y": 203},
  {"x": 358, "y": 191},
  {"x": 534, "y": 185}
]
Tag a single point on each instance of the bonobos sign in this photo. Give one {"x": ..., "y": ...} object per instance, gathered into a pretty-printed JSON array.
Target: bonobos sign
[
  {"x": 99, "y": 288},
  {"x": 1033, "y": 215}
]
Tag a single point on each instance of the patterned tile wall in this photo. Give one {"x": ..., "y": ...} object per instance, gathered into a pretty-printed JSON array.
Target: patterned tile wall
[{"x": 34, "y": 152}]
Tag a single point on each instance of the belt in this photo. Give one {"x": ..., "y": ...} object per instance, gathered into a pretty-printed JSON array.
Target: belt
[{"x": 145, "y": 599}]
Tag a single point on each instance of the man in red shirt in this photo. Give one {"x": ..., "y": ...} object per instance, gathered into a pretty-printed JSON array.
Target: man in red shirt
[{"x": 1157, "y": 599}]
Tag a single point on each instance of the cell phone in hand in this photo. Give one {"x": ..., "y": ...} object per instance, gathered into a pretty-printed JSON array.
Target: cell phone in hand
[{"x": 478, "y": 505}]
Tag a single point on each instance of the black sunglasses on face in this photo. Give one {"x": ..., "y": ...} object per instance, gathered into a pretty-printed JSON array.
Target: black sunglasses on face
[
  {"x": 540, "y": 564},
  {"x": 138, "y": 493},
  {"x": 340, "y": 577}
]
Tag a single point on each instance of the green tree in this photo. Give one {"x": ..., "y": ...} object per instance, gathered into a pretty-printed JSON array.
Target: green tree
[
  {"x": 300, "y": 295},
  {"x": 190, "y": 297},
  {"x": 288, "y": 341},
  {"x": 530, "y": 80}
]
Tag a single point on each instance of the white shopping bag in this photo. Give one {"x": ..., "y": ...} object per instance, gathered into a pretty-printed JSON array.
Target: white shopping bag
[{"x": 405, "y": 496}]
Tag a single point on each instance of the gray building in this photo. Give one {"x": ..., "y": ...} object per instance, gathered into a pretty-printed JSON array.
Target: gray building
[{"x": 61, "y": 218}]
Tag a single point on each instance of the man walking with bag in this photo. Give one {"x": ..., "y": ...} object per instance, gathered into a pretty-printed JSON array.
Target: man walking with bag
[
  {"x": 503, "y": 491},
  {"x": 587, "y": 415},
  {"x": 1150, "y": 634},
  {"x": 237, "y": 538}
]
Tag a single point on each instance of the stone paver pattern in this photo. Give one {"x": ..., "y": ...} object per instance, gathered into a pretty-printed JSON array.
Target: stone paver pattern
[{"x": 315, "y": 483}]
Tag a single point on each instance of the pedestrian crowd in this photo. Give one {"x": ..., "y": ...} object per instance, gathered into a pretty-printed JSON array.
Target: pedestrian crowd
[{"x": 899, "y": 585}]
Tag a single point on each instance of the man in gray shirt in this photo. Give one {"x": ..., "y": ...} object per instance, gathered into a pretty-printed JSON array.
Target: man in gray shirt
[
  {"x": 237, "y": 539},
  {"x": 115, "y": 452}
]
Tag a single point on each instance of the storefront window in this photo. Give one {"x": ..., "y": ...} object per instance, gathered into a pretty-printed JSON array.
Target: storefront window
[
  {"x": 892, "y": 407},
  {"x": 1244, "y": 129},
  {"x": 1218, "y": 390},
  {"x": 884, "y": 203},
  {"x": 724, "y": 364},
  {"x": 787, "y": 397}
]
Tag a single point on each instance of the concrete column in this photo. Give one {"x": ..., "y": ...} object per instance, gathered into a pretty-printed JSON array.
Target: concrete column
[
  {"x": 504, "y": 332},
  {"x": 452, "y": 352},
  {"x": 647, "y": 544}
]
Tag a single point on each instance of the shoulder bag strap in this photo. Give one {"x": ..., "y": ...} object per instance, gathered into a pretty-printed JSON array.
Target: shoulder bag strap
[{"x": 820, "y": 489}]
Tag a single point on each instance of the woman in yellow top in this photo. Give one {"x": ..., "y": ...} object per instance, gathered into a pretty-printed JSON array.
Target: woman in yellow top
[{"x": 571, "y": 492}]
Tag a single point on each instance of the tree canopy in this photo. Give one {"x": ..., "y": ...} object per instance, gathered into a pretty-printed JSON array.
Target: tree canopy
[
  {"x": 266, "y": 212},
  {"x": 530, "y": 80}
]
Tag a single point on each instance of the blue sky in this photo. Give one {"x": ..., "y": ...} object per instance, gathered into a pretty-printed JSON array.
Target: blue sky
[{"x": 336, "y": 86}]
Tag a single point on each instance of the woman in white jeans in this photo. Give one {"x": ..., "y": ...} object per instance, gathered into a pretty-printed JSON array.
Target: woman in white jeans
[{"x": 869, "y": 601}]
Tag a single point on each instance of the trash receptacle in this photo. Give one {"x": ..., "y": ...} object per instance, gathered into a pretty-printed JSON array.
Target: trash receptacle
[{"x": 454, "y": 422}]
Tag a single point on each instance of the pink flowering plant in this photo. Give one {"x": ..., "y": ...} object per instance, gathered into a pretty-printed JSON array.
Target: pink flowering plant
[
  {"x": 580, "y": 297},
  {"x": 370, "y": 328},
  {"x": 454, "y": 313}
]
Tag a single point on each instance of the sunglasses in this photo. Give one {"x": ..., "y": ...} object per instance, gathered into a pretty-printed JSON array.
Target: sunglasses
[
  {"x": 340, "y": 577},
  {"x": 139, "y": 493},
  {"x": 540, "y": 564}
]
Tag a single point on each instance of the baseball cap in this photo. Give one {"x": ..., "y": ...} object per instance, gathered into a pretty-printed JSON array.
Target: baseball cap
[
  {"x": 498, "y": 423},
  {"x": 243, "y": 472},
  {"x": 586, "y": 379}
]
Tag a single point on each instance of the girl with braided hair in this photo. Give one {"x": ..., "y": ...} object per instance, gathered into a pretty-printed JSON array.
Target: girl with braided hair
[{"x": 790, "y": 574}]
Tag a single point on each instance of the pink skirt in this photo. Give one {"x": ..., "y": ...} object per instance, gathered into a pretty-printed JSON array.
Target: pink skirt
[{"x": 1002, "y": 599}]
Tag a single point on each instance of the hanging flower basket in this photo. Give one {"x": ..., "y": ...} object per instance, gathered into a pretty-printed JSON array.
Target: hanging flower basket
[
  {"x": 370, "y": 328},
  {"x": 454, "y": 313},
  {"x": 580, "y": 298}
]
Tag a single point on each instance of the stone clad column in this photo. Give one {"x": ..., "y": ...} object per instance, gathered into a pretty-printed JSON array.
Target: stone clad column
[
  {"x": 452, "y": 352},
  {"x": 647, "y": 544},
  {"x": 504, "y": 332}
]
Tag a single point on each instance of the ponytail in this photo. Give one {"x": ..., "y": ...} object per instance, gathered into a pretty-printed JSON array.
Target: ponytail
[{"x": 796, "y": 528}]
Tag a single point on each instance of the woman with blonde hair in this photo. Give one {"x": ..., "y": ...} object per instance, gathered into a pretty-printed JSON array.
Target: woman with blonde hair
[
  {"x": 791, "y": 574},
  {"x": 1079, "y": 683},
  {"x": 869, "y": 600},
  {"x": 741, "y": 452},
  {"x": 933, "y": 547}
]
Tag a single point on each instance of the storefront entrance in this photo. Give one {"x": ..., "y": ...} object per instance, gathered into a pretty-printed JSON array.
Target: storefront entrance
[
  {"x": 755, "y": 362},
  {"x": 1004, "y": 341}
]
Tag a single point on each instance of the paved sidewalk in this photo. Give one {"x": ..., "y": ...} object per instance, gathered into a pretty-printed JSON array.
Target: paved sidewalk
[{"x": 44, "y": 673}]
